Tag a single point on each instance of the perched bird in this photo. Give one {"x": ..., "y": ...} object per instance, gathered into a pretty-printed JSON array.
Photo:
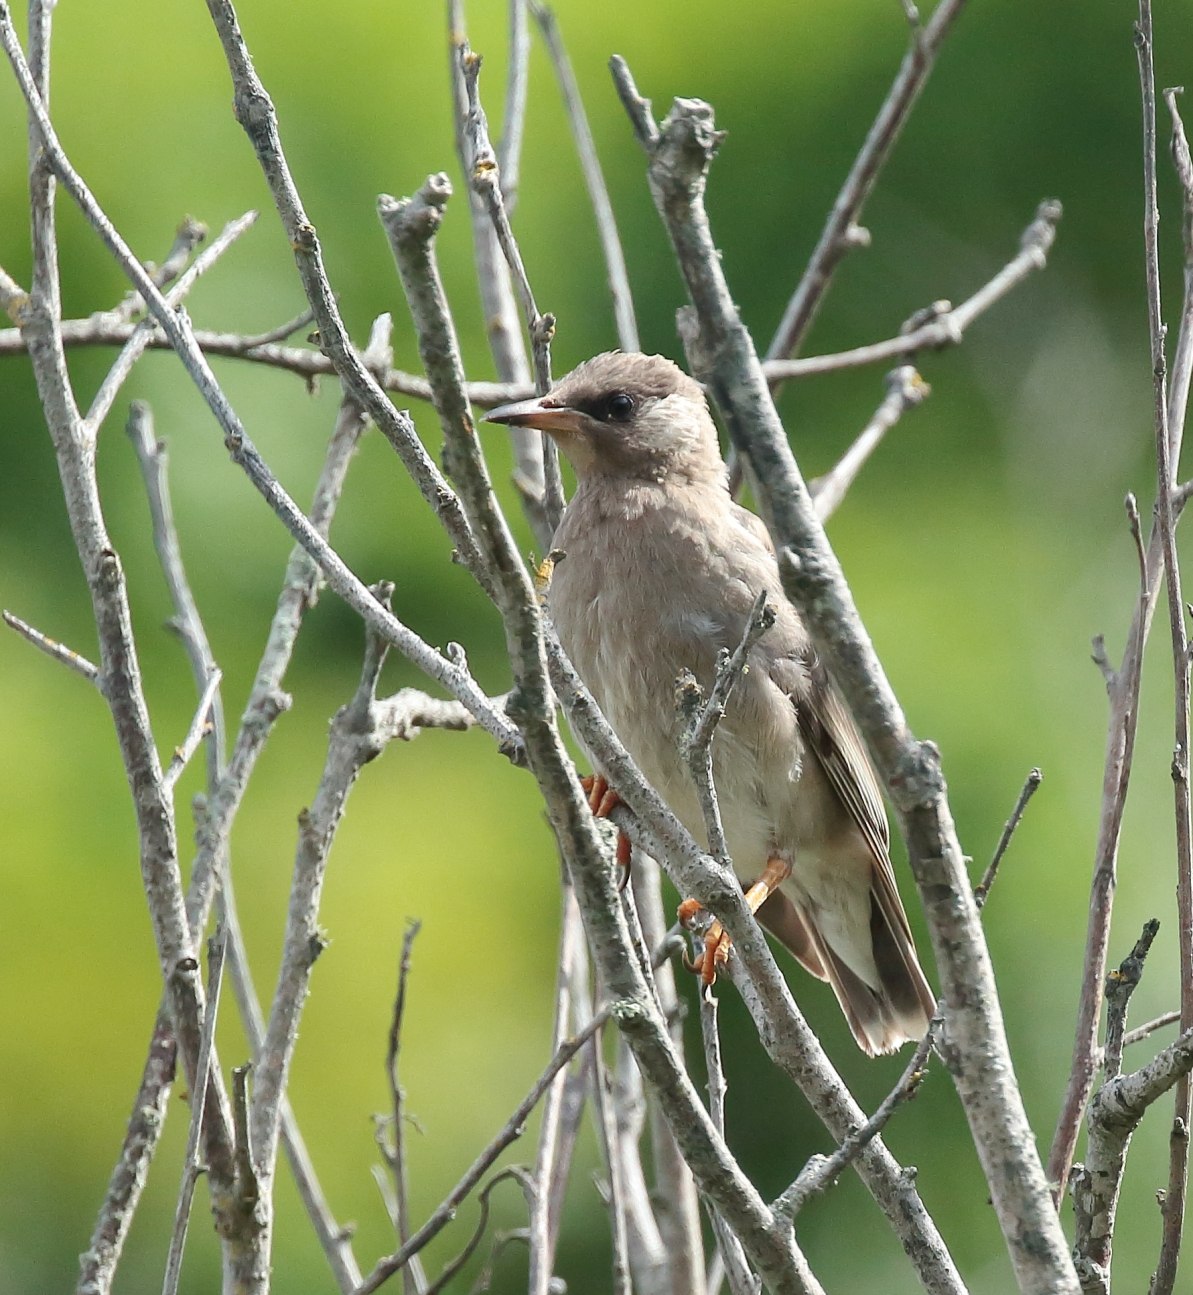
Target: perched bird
[{"x": 661, "y": 572}]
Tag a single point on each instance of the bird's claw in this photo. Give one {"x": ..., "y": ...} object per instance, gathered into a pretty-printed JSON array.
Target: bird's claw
[
  {"x": 717, "y": 944},
  {"x": 603, "y": 800}
]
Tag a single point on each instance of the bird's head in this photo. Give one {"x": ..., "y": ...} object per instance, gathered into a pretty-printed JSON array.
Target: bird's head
[{"x": 625, "y": 415}]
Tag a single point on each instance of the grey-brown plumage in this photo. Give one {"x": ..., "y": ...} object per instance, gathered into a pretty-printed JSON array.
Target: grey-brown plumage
[{"x": 661, "y": 571}]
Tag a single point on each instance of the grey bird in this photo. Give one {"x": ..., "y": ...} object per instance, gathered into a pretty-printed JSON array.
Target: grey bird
[{"x": 661, "y": 571}]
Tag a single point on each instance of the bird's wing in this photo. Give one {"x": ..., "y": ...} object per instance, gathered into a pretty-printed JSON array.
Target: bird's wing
[{"x": 830, "y": 736}]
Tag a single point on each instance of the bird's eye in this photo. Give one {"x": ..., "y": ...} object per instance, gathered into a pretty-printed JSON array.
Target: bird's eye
[{"x": 620, "y": 406}]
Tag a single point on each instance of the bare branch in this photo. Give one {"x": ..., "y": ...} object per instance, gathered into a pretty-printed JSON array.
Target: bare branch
[
  {"x": 837, "y": 236},
  {"x": 119, "y": 667},
  {"x": 1131, "y": 504},
  {"x": 1123, "y": 688},
  {"x": 666, "y": 1244},
  {"x": 138, "y": 340},
  {"x": 54, "y": 650},
  {"x": 189, "y": 235},
  {"x": 257, "y": 116},
  {"x": 1114, "y": 1114},
  {"x": 413, "y": 1277},
  {"x": 353, "y": 372},
  {"x": 352, "y": 743},
  {"x": 701, "y": 716},
  {"x": 510, "y": 1132},
  {"x": 549, "y": 1173},
  {"x": 199, "y": 728},
  {"x": 484, "y": 177},
  {"x": 940, "y": 325},
  {"x": 519, "y": 1175},
  {"x": 1031, "y": 785},
  {"x": 737, "y": 1270},
  {"x": 1148, "y": 1028},
  {"x": 497, "y": 297},
  {"x": 772, "y": 1250},
  {"x": 191, "y": 1164},
  {"x": 509, "y": 151},
  {"x": 1120, "y": 985},
  {"x": 613, "y": 1148},
  {"x": 594, "y": 180},
  {"x": 97, "y": 1265},
  {"x": 822, "y": 1172},
  {"x": 280, "y": 332},
  {"x": 1173, "y": 1206},
  {"x": 246, "y": 1160},
  {"x": 905, "y": 390}
]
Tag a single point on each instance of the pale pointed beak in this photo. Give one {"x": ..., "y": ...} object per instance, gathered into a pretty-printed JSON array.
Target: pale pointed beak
[{"x": 542, "y": 413}]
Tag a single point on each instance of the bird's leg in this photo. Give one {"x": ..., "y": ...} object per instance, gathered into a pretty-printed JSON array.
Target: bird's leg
[
  {"x": 603, "y": 800},
  {"x": 716, "y": 941}
]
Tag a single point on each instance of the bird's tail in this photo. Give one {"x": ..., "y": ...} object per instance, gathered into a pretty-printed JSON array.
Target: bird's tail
[{"x": 883, "y": 1016}]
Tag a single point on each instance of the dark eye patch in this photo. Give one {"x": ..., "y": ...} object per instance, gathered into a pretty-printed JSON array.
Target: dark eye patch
[
  {"x": 607, "y": 406},
  {"x": 620, "y": 406}
]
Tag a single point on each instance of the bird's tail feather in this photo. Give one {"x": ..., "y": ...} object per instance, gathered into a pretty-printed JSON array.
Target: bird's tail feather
[{"x": 883, "y": 1017}]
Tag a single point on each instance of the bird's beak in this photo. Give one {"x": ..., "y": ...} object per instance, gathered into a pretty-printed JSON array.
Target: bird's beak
[{"x": 543, "y": 412}]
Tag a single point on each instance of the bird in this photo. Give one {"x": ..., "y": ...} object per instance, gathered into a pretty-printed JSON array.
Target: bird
[{"x": 657, "y": 572}]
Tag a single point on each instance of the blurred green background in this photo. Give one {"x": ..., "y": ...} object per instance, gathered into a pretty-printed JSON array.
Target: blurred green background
[{"x": 986, "y": 545}]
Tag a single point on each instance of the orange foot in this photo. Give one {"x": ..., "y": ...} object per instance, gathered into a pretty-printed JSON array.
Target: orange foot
[
  {"x": 716, "y": 942},
  {"x": 603, "y": 800}
]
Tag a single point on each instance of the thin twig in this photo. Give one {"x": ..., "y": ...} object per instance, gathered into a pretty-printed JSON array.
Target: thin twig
[
  {"x": 1114, "y": 1114},
  {"x": 822, "y": 1172},
  {"x": 541, "y": 1234},
  {"x": 1173, "y": 1207},
  {"x": 199, "y": 728},
  {"x": 484, "y": 176},
  {"x": 138, "y": 340},
  {"x": 510, "y": 1132},
  {"x": 279, "y": 333},
  {"x": 701, "y": 716},
  {"x": 737, "y": 1269},
  {"x": 839, "y": 235},
  {"x": 513, "y": 122},
  {"x": 54, "y": 650},
  {"x": 1031, "y": 784},
  {"x": 905, "y": 390},
  {"x": 1148, "y": 1028},
  {"x": 518, "y": 1175},
  {"x": 191, "y": 1166},
  {"x": 594, "y": 179},
  {"x": 500, "y": 311},
  {"x": 1120, "y": 985},
  {"x": 413, "y": 1277},
  {"x": 1123, "y": 689}
]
